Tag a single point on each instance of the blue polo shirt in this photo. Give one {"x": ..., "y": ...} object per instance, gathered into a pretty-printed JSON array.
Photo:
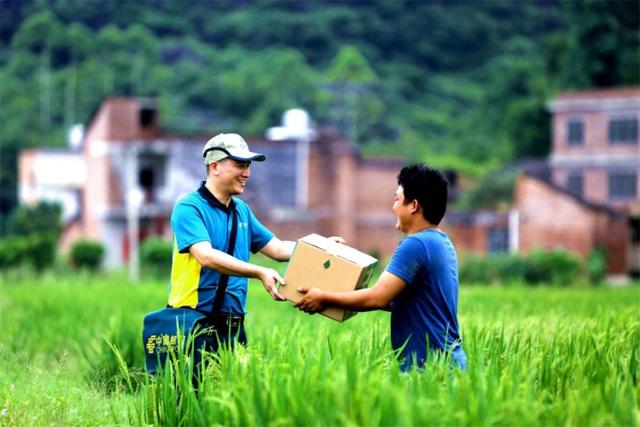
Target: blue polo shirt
[
  {"x": 425, "y": 314},
  {"x": 200, "y": 217}
]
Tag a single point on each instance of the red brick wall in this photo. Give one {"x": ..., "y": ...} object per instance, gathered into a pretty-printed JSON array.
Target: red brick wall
[
  {"x": 594, "y": 182},
  {"x": 346, "y": 192},
  {"x": 595, "y": 136},
  {"x": 119, "y": 120},
  {"x": 467, "y": 238},
  {"x": 379, "y": 240},
  {"x": 348, "y": 196},
  {"x": 550, "y": 218},
  {"x": 596, "y": 157},
  {"x": 612, "y": 235},
  {"x": 322, "y": 179},
  {"x": 376, "y": 184},
  {"x": 96, "y": 192}
]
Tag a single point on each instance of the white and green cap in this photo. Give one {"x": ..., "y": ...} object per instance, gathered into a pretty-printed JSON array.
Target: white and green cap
[{"x": 229, "y": 145}]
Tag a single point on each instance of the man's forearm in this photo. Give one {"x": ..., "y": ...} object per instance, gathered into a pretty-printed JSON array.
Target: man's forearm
[
  {"x": 226, "y": 264},
  {"x": 378, "y": 297},
  {"x": 289, "y": 247},
  {"x": 279, "y": 250},
  {"x": 359, "y": 300}
]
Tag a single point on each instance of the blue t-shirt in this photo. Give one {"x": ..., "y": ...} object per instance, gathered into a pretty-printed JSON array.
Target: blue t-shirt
[
  {"x": 200, "y": 217},
  {"x": 425, "y": 313}
]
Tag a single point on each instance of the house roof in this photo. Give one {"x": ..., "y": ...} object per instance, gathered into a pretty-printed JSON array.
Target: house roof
[
  {"x": 622, "y": 99},
  {"x": 577, "y": 198},
  {"x": 621, "y": 92}
]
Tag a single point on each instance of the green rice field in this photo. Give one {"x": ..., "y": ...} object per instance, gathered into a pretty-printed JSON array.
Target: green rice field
[{"x": 71, "y": 354}]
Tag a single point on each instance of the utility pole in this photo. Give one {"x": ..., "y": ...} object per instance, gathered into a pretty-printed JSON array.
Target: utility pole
[
  {"x": 514, "y": 231},
  {"x": 133, "y": 202}
]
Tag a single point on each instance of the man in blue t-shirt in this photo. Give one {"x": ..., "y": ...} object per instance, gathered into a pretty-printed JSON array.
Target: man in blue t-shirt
[
  {"x": 202, "y": 223},
  {"x": 420, "y": 284}
]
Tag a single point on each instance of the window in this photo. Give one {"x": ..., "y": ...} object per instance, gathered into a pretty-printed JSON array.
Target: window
[
  {"x": 623, "y": 131},
  {"x": 498, "y": 240},
  {"x": 151, "y": 175},
  {"x": 575, "y": 132},
  {"x": 147, "y": 117},
  {"x": 622, "y": 185},
  {"x": 574, "y": 184},
  {"x": 634, "y": 226}
]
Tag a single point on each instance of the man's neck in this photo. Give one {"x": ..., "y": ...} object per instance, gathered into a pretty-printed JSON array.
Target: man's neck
[
  {"x": 419, "y": 226},
  {"x": 223, "y": 197}
]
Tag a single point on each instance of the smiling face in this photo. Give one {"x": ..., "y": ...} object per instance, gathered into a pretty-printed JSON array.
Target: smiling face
[
  {"x": 231, "y": 175},
  {"x": 403, "y": 211}
]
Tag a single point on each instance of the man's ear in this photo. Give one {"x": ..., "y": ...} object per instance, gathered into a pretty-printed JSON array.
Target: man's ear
[
  {"x": 213, "y": 168},
  {"x": 415, "y": 206}
]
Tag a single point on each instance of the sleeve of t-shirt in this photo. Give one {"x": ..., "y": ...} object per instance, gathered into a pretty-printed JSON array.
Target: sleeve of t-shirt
[
  {"x": 188, "y": 226},
  {"x": 260, "y": 235},
  {"x": 407, "y": 260}
]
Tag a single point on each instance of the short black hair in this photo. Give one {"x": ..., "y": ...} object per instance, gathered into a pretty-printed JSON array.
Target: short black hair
[{"x": 428, "y": 186}]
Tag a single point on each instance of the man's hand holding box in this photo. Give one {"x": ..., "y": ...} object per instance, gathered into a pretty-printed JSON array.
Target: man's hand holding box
[{"x": 319, "y": 262}]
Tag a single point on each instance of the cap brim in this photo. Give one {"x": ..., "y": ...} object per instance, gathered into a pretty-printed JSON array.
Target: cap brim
[{"x": 245, "y": 156}]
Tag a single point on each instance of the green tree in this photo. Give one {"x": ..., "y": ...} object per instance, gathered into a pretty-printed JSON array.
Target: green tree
[
  {"x": 35, "y": 233},
  {"x": 352, "y": 82},
  {"x": 453, "y": 83},
  {"x": 604, "y": 43},
  {"x": 39, "y": 219}
]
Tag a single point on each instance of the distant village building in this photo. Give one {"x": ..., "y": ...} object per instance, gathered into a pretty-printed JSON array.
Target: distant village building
[
  {"x": 586, "y": 197},
  {"x": 552, "y": 217},
  {"x": 596, "y": 154},
  {"x": 583, "y": 198},
  {"x": 313, "y": 181}
]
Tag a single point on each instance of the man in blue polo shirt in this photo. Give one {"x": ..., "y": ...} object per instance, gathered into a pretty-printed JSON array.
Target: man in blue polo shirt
[
  {"x": 202, "y": 222},
  {"x": 420, "y": 284}
]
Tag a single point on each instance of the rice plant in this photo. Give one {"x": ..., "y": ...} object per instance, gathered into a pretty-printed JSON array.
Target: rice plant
[{"x": 71, "y": 353}]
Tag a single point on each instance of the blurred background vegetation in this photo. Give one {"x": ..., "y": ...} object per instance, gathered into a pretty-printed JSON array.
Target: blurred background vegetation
[{"x": 462, "y": 85}]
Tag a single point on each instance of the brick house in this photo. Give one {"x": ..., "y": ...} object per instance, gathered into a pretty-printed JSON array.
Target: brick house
[
  {"x": 595, "y": 149},
  {"x": 586, "y": 195},
  {"x": 549, "y": 216},
  {"x": 318, "y": 183}
]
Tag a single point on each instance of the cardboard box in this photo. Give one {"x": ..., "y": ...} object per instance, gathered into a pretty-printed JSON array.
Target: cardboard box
[{"x": 318, "y": 262}]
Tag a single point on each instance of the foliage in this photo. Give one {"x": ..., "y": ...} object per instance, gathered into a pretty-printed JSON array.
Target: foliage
[
  {"x": 350, "y": 65},
  {"x": 87, "y": 254},
  {"x": 42, "y": 218},
  {"x": 444, "y": 82},
  {"x": 14, "y": 251},
  {"x": 597, "y": 265},
  {"x": 33, "y": 238},
  {"x": 37, "y": 251},
  {"x": 355, "y": 106},
  {"x": 494, "y": 191},
  {"x": 492, "y": 269},
  {"x": 155, "y": 255},
  {"x": 556, "y": 267},
  {"x": 537, "y": 356},
  {"x": 42, "y": 253}
]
